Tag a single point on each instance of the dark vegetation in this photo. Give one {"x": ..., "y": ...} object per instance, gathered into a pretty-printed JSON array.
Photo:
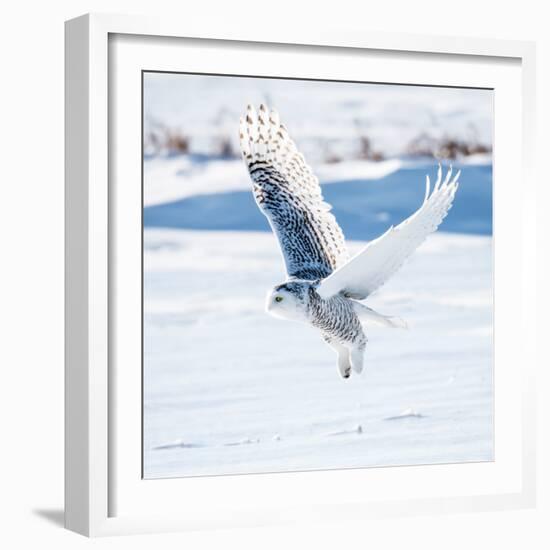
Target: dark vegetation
[{"x": 160, "y": 139}]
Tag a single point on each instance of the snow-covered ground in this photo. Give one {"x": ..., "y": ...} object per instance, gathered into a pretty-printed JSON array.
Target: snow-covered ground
[{"x": 229, "y": 389}]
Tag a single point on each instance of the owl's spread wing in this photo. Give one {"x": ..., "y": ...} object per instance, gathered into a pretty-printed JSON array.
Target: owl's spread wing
[
  {"x": 289, "y": 195},
  {"x": 381, "y": 258}
]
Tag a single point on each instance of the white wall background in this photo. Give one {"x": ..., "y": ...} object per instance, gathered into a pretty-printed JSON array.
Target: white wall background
[{"x": 31, "y": 269}]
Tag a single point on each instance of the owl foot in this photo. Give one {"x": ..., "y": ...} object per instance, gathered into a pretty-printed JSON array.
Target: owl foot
[
  {"x": 357, "y": 357},
  {"x": 344, "y": 364},
  {"x": 345, "y": 373}
]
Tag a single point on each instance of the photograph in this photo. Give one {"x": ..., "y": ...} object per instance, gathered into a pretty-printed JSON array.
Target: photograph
[{"x": 317, "y": 275}]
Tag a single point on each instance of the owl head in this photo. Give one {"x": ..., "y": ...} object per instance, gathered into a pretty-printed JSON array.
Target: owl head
[{"x": 289, "y": 301}]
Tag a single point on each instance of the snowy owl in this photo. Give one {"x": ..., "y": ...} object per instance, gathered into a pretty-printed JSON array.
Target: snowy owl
[{"x": 324, "y": 286}]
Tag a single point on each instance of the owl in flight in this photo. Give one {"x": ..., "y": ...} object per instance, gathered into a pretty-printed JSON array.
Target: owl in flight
[{"x": 324, "y": 285}]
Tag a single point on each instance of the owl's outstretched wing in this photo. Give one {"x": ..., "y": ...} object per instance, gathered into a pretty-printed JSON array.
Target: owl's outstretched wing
[
  {"x": 381, "y": 258},
  {"x": 289, "y": 195}
]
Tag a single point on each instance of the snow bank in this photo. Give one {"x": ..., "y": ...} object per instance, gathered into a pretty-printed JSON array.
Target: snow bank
[{"x": 167, "y": 179}]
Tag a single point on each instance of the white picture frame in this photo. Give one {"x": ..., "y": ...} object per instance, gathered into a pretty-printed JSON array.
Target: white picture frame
[{"x": 99, "y": 500}]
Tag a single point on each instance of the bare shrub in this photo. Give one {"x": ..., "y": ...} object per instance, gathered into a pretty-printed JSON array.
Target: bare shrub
[
  {"x": 160, "y": 139},
  {"x": 366, "y": 151},
  {"x": 444, "y": 148},
  {"x": 177, "y": 142},
  {"x": 224, "y": 147}
]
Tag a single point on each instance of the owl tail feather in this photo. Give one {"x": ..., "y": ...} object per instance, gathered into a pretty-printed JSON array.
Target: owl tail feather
[{"x": 369, "y": 317}]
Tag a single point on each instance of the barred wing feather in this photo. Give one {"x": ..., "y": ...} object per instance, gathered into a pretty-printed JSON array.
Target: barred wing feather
[
  {"x": 381, "y": 258},
  {"x": 289, "y": 195}
]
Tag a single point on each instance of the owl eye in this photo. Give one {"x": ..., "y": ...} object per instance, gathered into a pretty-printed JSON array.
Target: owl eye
[{"x": 278, "y": 298}]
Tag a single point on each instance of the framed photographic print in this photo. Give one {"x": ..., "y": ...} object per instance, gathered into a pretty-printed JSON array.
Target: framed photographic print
[{"x": 293, "y": 288}]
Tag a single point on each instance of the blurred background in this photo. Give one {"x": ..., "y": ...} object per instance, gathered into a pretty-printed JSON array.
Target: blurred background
[
  {"x": 352, "y": 134},
  {"x": 333, "y": 121}
]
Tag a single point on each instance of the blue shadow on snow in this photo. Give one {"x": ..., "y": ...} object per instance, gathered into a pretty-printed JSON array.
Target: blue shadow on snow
[{"x": 363, "y": 208}]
